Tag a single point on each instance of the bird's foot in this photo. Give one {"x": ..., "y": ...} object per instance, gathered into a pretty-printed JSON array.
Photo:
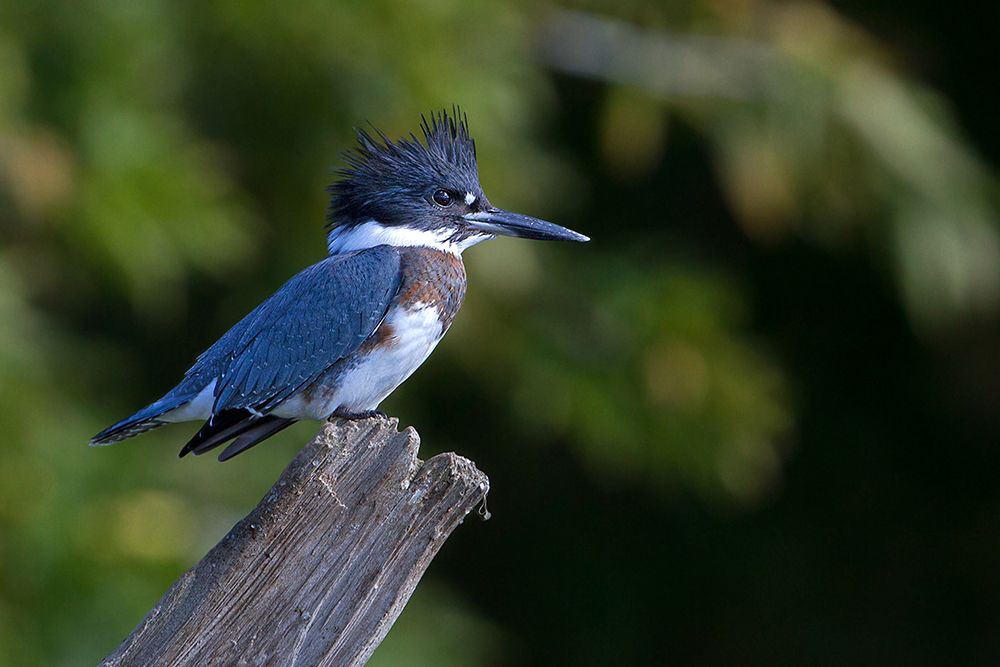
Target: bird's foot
[{"x": 364, "y": 414}]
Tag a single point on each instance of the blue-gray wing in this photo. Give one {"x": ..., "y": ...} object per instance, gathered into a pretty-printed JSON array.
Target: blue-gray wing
[{"x": 318, "y": 317}]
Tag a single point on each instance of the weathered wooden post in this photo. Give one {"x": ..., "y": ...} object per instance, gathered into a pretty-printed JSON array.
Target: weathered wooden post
[{"x": 318, "y": 572}]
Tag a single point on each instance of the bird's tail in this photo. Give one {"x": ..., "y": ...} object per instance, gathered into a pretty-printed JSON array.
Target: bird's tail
[
  {"x": 247, "y": 428},
  {"x": 142, "y": 421}
]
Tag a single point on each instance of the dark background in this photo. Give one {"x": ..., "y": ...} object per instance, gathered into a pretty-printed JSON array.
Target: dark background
[{"x": 753, "y": 422}]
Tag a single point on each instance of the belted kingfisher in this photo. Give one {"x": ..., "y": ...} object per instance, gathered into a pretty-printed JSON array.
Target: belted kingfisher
[{"x": 340, "y": 336}]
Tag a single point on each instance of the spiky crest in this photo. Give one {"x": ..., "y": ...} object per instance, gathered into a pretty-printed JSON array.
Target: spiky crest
[{"x": 380, "y": 170}]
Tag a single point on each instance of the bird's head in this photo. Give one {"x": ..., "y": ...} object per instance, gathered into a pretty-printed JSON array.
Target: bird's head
[{"x": 422, "y": 193}]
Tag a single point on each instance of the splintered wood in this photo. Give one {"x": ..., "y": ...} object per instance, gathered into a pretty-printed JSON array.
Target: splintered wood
[{"x": 318, "y": 572}]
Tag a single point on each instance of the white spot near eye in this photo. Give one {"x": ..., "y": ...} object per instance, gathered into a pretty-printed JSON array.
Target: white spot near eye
[{"x": 470, "y": 199}]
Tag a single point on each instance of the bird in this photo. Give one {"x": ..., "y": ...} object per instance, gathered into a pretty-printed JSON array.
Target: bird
[{"x": 340, "y": 336}]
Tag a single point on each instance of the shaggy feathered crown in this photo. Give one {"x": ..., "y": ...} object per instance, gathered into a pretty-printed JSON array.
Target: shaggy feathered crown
[{"x": 383, "y": 176}]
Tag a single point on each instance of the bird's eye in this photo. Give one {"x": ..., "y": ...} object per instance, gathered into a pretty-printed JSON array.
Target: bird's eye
[{"x": 442, "y": 198}]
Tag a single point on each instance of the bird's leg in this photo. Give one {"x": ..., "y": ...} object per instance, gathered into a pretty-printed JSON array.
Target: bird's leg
[{"x": 364, "y": 414}]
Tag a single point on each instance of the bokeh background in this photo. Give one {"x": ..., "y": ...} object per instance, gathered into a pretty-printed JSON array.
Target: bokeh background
[{"x": 753, "y": 422}]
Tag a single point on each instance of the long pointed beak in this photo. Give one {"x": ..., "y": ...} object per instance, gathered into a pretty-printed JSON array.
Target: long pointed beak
[{"x": 504, "y": 223}]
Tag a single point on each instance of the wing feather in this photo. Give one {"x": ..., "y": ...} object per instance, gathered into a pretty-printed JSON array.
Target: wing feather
[{"x": 318, "y": 317}]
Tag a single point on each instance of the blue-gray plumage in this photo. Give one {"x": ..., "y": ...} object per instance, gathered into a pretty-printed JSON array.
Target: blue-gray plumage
[
  {"x": 320, "y": 315},
  {"x": 341, "y": 335}
]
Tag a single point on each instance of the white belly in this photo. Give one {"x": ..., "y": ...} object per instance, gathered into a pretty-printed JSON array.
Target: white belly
[
  {"x": 200, "y": 407},
  {"x": 363, "y": 386}
]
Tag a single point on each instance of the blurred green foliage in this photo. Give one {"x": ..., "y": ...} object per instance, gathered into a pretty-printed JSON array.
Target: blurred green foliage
[{"x": 752, "y": 422}]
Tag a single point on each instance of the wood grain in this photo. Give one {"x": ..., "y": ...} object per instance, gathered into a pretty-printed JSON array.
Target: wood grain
[{"x": 317, "y": 573}]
